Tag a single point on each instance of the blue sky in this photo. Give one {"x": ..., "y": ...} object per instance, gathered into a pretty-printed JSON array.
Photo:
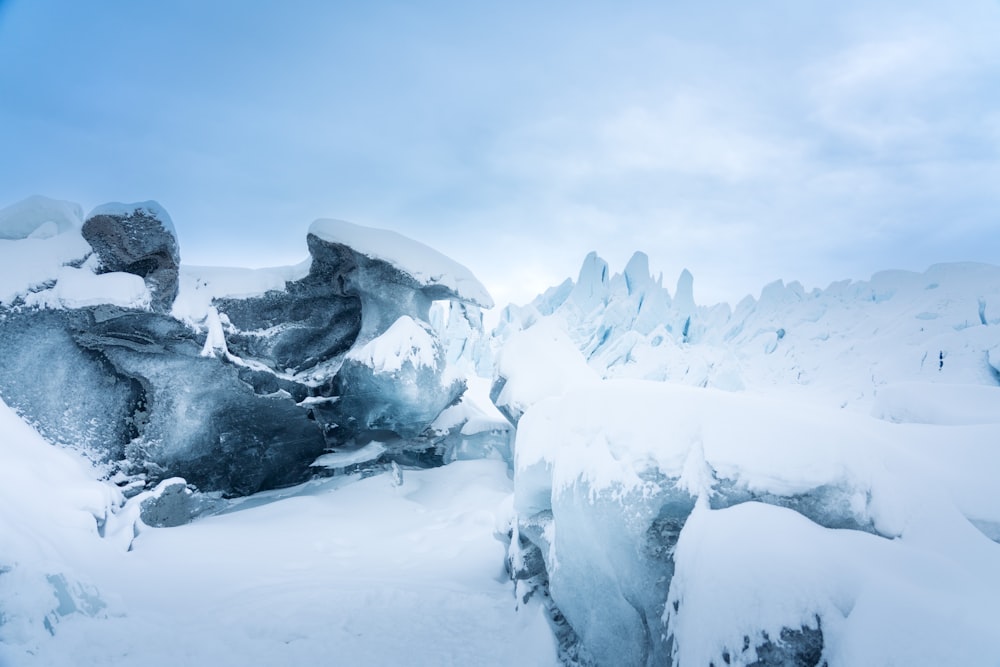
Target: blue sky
[{"x": 744, "y": 141}]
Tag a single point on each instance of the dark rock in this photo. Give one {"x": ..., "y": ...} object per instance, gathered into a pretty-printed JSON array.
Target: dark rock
[
  {"x": 137, "y": 239},
  {"x": 796, "y": 648}
]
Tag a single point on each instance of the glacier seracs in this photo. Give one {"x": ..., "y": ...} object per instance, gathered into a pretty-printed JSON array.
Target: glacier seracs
[{"x": 851, "y": 436}]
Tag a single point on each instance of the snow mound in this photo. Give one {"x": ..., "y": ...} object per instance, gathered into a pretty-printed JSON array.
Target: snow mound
[
  {"x": 757, "y": 571},
  {"x": 426, "y": 266},
  {"x": 39, "y": 217},
  {"x": 79, "y": 288},
  {"x": 534, "y": 364},
  {"x": 29, "y": 264},
  {"x": 52, "y": 513},
  {"x": 405, "y": 342}
]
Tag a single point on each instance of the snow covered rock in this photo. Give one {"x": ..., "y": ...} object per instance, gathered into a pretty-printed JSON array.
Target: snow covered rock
[
  {"x": 138, "y": 239},
  {"x": 415, "y": 264}
]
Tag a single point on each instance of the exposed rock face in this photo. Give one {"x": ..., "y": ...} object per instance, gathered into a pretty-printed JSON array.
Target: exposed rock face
[
  {"x": 337, "y": 358},
  {"x": 137, "y": 239}
]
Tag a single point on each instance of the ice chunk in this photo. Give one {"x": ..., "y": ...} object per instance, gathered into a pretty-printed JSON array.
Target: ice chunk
[
  {"x": 474, "y": 428},
  {"x": 201, "y": 419},
  {"x": 684, "y": 296},
  {"x": 71, "y": 395},
  {"x": 396, "y": 382},
  {"x": 754, "y": 581},
  {"x": 622, "y": 464}
]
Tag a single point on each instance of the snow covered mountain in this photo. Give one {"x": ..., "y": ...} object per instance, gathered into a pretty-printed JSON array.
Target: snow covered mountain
[{"x": 335, "y": 462}]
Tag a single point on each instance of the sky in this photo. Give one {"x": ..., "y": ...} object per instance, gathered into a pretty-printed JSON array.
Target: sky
[{"x": 747, "y": 142}]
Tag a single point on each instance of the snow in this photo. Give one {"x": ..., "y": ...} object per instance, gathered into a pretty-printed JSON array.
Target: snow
[
  {"x": 404, "y": 342},
  {"x": 357, "y": 569},
  {"x": 28, "y": 264},
  {"x": 78, "y": 288},
  {"x": 536, "y": 363},
  {"x": 946, "y": 404},
  {"x": 345, "y": 459},
  {"x": 425, "y": 265},
  {"x": 39, "y": 217},
  {"x": 756, "y": 568},
  {"x": 199, "y": 285}
]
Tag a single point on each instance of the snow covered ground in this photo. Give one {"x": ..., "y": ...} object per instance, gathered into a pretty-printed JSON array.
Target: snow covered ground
[{"x": 338, "y": 571}]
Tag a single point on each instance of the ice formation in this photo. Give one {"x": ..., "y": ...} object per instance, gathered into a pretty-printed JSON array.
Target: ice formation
[
  {"x": 235, "y": 380},
  {"x": 805, "y": 479},
  {"x": 780, "y": 521}
]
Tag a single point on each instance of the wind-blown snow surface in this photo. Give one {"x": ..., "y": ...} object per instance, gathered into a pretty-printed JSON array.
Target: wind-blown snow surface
[{"x": 339, "y": 571}]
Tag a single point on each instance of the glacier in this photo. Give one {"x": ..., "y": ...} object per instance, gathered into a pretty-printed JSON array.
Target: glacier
[
  {"x": 337, "y": 460},
  {"x": 667, "y": 505}
]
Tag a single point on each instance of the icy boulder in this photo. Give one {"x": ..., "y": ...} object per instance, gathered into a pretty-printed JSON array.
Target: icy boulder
[
  {"x": 39, "y": 217},
  {"x": 138, "y": 239},
  {"x": 419, "y": 266},
  {"x": 242, "y": 381}
]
